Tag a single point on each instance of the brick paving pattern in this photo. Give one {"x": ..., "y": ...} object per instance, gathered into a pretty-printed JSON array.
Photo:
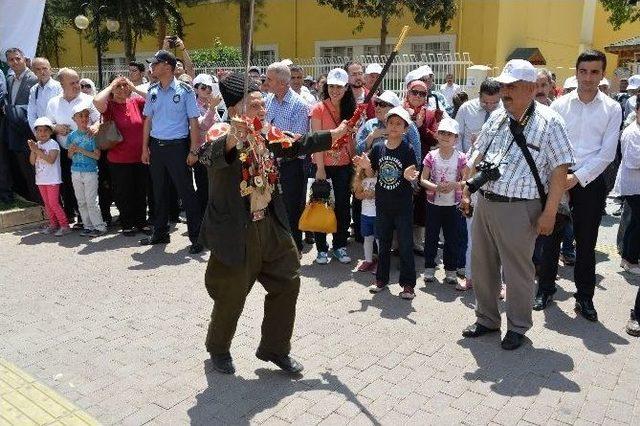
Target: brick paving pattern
[{"x": 119, "y": 331}]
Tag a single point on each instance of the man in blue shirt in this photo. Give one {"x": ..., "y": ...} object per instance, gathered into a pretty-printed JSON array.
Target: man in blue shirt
[
  {"x": 169, "y": 143},
  {"x": 289, "y": 112}
]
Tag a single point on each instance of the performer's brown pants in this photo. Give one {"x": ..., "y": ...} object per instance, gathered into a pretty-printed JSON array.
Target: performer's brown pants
[{"x": 272, "y": 259}]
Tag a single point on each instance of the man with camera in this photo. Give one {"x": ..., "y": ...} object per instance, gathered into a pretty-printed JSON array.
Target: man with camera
[{"x": 518, "y": 165}]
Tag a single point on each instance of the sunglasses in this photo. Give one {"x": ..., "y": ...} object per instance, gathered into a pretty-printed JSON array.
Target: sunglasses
[
  {"x": 85, "y": 86},
  {"x": 418, "y": 93},
  {"x": 382, "y": 104}
]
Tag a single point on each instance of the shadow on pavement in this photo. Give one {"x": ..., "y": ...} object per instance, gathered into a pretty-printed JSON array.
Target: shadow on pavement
[
  {"x": 595, "y": 336},
  {"x": 390, "y": 306},
  {"x": 544, "y": 369},
  {"x": 156, "y": 256},
  {"x": 230, "y": 399},
  {"x": 447, "y": 293}
]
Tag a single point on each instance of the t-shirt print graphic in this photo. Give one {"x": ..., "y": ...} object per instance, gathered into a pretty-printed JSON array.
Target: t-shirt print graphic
[{"x": 390, "y": 172}]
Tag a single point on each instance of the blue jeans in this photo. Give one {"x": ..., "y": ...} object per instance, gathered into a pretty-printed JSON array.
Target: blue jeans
[
  {"x": 568, "y": 246},
  {"x": 400, "y": 219},
  {"x": 447, "y": 219}
]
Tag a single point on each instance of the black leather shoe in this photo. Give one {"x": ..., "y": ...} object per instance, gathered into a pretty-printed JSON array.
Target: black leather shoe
[
  {"x": 285, "y": 362},
  {"x": 512, "y": 340},
  {"x": 477, "y": 330},
  {"x": 586, "y": 309},
  {"x": 155, "y": 239},
  {"x": 195, "y": 248},
  {"x": 223, "y": 363},
  {"x": 542, "y": 301}
]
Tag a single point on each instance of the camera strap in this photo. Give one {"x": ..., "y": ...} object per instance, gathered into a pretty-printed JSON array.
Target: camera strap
[{"x": 517, "y": 130}]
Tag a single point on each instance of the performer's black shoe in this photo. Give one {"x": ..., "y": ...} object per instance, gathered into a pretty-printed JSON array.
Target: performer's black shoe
[
  {"x": 512, "y": 340},
  {"x": 586, "y": 309},
  {"x": 195, "y": 248},
  {"x": 285, "y": 362},
  {"x": 477, "y": 330},
  {"x": 223, "y": 363},
  {"x": 155, "y": 239},
  {"x": 541, "y": 301}
]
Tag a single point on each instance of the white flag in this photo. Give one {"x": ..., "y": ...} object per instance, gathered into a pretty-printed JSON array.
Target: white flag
[{"x": 20, "y": 22}]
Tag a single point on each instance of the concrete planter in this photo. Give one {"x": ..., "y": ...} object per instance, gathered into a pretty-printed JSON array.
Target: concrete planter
[{"x": 19, "y": 218}]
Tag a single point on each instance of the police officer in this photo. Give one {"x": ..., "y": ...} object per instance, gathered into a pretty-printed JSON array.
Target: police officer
[{"x": 170, "y": 138}]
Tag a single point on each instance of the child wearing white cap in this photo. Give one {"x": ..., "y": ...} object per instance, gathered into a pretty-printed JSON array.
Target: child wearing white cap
[
  {"x": 45, "y": 156},
  {"x": 442, "y": 178},
  {"x": 84, "y": 154},
  {"x": 395, "y": 165}
]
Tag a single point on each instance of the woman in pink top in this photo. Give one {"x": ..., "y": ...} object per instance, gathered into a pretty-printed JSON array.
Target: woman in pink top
[
  {"x": 129, "y": 177},
  {"x": 338, "y": 104}
]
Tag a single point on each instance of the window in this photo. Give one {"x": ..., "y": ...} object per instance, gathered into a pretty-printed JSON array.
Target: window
[
  {"x": 337, "y": 51},
  {"x": 433, "y": 47},
  {"x": 374, "y": 49},
  {"x": 264, "y": 56}
]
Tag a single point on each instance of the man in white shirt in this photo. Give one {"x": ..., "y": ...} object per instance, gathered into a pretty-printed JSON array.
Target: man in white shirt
[
  {"x": 60, "y": 112},
  {"x": 43, "y": 91},
  {"x": 593, "y": 123},
  {"x": 450, "y": 88},
  {"x": 474, "y": 113},
  {"x": 297, "y": 80}
]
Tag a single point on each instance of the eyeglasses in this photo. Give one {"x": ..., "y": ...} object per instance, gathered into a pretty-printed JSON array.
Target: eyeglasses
[
  {"x": 418, "y": 93},
  {"x": 382, "y": 104},
  {"x": 85, "y": 86}
]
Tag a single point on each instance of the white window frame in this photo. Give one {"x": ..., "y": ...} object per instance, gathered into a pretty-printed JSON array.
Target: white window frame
[{"x": 358, "y": 44}]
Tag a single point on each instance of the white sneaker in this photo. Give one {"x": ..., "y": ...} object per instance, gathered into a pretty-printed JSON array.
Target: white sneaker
[
  {"x": 48, "y": 230},
  {"x": 341, "y": 255},
  {"x": 62, "y": 231},
  {"x": 630, "y": 267},
  {"x": 429, "y": 275},
  {"x": 450, "y": 277},
  {"x": 322, "y": 258}
]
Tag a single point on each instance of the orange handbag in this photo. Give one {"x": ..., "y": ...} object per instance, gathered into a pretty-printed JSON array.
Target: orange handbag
[{"x": 318, "y": 217}]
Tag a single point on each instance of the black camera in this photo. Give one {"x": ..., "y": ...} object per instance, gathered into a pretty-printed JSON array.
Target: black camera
[{"x": 486, "y": 172}]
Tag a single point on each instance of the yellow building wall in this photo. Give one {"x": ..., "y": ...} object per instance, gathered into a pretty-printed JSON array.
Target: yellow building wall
[{"x": 488, "y": 29}]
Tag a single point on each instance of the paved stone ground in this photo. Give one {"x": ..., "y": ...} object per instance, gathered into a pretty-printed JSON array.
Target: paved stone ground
[{"x": 119, "y": 330}]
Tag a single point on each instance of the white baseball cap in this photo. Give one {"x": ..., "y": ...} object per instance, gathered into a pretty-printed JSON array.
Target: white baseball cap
[
  {"x": 337, "y": 76},
  {"x": 418, "y": 73},
  {"x": 634, "y": 82},
  {"x": 80, "y": 106},
  {"x": 448, "y": 124},
  {"x": 390, "y": 97},
  {"x": 373, "y": 69},
  {"x": 43, "y": 121},
  {"x": 570, "y": 83},
  {"x": 205, "y": 79},
  {"x": 604, "y": 82},
  {"x": 518, "y": 70},
  {"x": 400, "y": 112}
]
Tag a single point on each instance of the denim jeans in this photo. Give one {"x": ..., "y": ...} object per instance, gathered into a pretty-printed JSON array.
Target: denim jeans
[
  {"x": 401, "y": 220},
  {"x": 568, "y": 246},
  {"x": 341, "y": 181},
  {"x": 447, "y": 219}
]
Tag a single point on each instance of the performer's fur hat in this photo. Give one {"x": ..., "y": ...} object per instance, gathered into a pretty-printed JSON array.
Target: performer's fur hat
[{"x": 232, "y": 88}]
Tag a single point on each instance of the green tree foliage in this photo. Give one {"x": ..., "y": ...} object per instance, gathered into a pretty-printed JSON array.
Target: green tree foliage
[
  {"x": 621, "y": 11},
  {"x": 219, "y": 53},
  {"x": 426, "y": 13}
]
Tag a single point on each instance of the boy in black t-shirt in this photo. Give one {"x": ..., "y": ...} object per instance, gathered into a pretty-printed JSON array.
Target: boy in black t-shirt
[{"x": 395, "y": 164}]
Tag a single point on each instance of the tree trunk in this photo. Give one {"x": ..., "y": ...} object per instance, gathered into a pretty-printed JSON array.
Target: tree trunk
[
  {"x": 383, "y": 34},
  {"x": 162, "y": 31},
  {"x": 245, "y": 28}
]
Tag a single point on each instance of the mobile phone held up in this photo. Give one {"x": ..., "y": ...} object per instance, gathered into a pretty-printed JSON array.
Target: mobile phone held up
[{"x": 172, "y": 41}]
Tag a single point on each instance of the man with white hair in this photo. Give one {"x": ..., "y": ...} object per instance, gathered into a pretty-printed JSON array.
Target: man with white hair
[
  {"x": 60, "y": 112},
  {"x": 525, "y": 152},
  {"x": 288, "y": 111},
  {"x": 43, "y": 91}
]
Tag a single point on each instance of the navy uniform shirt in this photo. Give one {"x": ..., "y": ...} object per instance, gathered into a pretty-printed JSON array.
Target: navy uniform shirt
[{"x": 170, "y": 110}]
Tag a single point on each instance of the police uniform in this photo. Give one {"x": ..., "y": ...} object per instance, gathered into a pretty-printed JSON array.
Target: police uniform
[{"x": 170, "y": 109}]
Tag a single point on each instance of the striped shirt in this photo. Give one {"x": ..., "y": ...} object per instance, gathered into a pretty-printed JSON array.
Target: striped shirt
[
  {"x": 292, "y": 114},
  {"x": 547, "y": 141}
]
